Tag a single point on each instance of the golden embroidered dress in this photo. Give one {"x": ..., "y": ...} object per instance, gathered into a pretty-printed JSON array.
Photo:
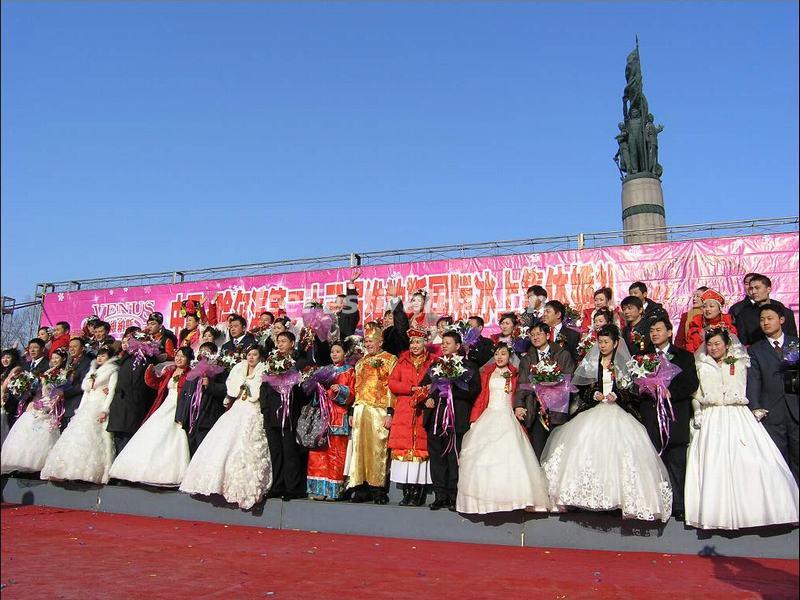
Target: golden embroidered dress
[{"x": 370, "y": 438}]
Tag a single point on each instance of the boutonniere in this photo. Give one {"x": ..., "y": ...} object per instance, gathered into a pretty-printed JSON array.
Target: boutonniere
[
  {"x": 507, "y": 376},
  {"x": 561, "y": 339},
  {"x": 376, "y": 363},
  {"x": 731, "y": 360},
  {"x": 176, "y": 378},
  {"x": 637, "y": 339}
]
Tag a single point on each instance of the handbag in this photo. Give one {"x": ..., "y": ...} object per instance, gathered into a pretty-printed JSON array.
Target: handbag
[{"x": 311, "y": 428}]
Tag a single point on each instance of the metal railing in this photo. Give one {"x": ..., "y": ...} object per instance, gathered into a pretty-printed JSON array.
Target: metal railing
[{"x": 474, "y": 250}]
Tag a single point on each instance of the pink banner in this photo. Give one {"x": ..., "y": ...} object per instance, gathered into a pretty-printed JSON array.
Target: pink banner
[{"x": 462, "y": 287}]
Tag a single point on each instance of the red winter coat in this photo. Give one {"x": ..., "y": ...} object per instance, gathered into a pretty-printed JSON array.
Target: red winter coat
[
  {"x": 60, "y": 341},
  {"x": 407, "y": 433},
  {"x": 696, "y": 336},
  {"x": 483, "y": 398},
  {"x": 160, "y": 384}
]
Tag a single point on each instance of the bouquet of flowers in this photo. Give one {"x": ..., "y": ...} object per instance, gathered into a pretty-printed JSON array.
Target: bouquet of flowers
[
  {"x": 51, "y": 402},
  {"x": 653, "y": 374},
  {"x": 586, "y": 344},
  {"x": 520, "y": 339},
  {"x": 572, "y": 317},
  {"x": 552, "y": 388},
  {"x": 282, "y": 376},
  {"x": 142, "y": 347},
  {"x": 318, "y": 321},
  {"x": 469, "y": 335},
  {"x": 230, "y": 359},
  {"x": 789, "y": 367},
  {"x": 205, "y": 365},
  {"x": 446, "y": 372},
  {"x": 317, "y": 381},
  {"x": 21, "y": 385}
]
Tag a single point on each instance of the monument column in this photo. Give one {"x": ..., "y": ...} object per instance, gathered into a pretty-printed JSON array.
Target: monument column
[{"x": 643, "y": 215}]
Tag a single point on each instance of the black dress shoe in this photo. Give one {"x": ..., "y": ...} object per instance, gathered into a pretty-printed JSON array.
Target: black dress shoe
[
  {"x": 419, "y": 496},
  {"x": 408, "y": 494},
  {"x": 438, "y": 504},
  {"x": 360, "y": 496},
  {"x": 380, "y": 498}
]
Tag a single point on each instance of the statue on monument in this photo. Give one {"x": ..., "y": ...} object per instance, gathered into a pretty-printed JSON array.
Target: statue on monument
[{"x": 638, "y": 137}]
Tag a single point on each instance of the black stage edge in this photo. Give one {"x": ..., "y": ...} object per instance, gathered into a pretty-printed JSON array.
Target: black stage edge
[{"x": 577, "y": 530}]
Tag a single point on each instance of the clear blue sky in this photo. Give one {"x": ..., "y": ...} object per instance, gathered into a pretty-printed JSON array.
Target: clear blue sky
[{"x": 153, "y": 136}]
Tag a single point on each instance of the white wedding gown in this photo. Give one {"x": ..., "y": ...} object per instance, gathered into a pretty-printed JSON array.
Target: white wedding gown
[
  {"x": 498, "y": 470},
  {"x": 85, "y": 450},
  {"x": 603, "y": 459},
  {"x": 158, "y": 453},
  {"x": 28, "y": 442},
  {"x": 3, "y": 425},
  {"x": 735, "y": 475},
  {"x": 234, "y": 459}
]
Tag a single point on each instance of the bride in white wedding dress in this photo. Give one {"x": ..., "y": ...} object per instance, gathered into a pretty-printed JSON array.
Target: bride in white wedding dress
[
  {"x": 234, "y": 459},
  {"x": 85, "y": 450}
]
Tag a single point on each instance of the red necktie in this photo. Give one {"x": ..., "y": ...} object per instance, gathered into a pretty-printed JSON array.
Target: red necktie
[{"x": 552, "y": 335}]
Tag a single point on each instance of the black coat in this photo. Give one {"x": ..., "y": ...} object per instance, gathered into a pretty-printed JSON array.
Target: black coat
[
  {"x": 481, "y": 353},
  {"x": 748, "y": 323},
  {"x": 462, "y": 402},
  {"x": 73, "y": 393},
  {"x": 642, "y": 327},
  {"x": 571, "y": 340},
  {"x": 246, "y": 341},
  {"x": 272, "y": 406},
  {"x": 681, "y": 390},
  {"x": 132, "y": 397},
  {"x": 39, "y": 369},
  {"x": 211, "y": 408},
  {"x": 395, "y": 338},
  {"x": 654, "y": 309},
  {"x": 765, "y": 383},
  {"x": 347, "y": 320}
]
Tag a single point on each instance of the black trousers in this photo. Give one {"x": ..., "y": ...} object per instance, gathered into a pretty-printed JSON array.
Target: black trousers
[
  {"x": 538, "y": 435},
  {"x": 674, "y": 457},
  {"x": 784, "y": 432},
  {"x": 70, "y": 406},
  {"x": 120, "y": 440},
  {"x": 444, "y": 467},
  {"x": 289, "y": 461}
]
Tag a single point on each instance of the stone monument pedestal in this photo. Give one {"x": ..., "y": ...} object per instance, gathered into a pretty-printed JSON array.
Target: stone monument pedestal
[{"x": 643, "y": 210}]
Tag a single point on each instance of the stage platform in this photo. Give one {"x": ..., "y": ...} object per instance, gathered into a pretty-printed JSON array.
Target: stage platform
[{"x": 574, "y": 530}]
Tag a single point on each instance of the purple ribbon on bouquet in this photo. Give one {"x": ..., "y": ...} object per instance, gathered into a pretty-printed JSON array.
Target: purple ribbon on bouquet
[
  {"x": 283, "y": 384},
  {"x": 448, "y": 420},
  {"x": 53, "y": 405},
  {"x": 23, "y": 399},
  {"x": 553, "y": 396},
  {"x": 200, "y": 370},
  {"x": 470, "y": 339},
  {"x": 656, "y": 385},
  {"x": 142, "y": 350},
  {"x": 319, "y": 321},
  {"x": 318, "y": 382}
]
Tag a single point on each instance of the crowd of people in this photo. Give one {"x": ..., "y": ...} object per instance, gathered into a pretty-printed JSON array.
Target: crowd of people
[{"x": 611, "y": 409}]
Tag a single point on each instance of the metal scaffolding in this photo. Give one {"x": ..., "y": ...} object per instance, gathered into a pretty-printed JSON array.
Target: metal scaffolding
[{"x": 382, "y": 257}]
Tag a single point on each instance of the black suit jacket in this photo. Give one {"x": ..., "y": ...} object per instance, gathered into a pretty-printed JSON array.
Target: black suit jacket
[
  {"x": 654, "y": 309},
  {"x": 571, "y": 340},
  {"x": 527, "y": 399},
  {"x": 272, "y": 406},
  {"x": 765, "y": 387},
  {"x": 132, "y": 397},
  {"x": 247, "y": 341},
  {"x": 40, "y": 367},
  {"x": 462, "y": 402},
  {"x": 748, "y": 323},
  {"x": 681, "y": 390},
  {"x": 348, "y": 321},
  {"x": 77, "y": 373},
  {"x": 643, "y": 328},
  {"x": 481, "y": 353}
]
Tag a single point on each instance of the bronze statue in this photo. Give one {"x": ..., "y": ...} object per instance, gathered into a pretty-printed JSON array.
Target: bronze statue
[{"x": 638, "y": 137}]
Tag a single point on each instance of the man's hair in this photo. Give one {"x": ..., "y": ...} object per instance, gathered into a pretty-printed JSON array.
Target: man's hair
[
  {"x": 772, "y": 307},
  {"x": 558, "y": 307},
  {"x": 211, "y": 346},
  {"x": 269, "y": 314},
  {"x": 37, "y": 341},
  {"x": 288, "y": 335},
  {"x": 761, "y": 279},
  {"x": 240, "y": 320},
  {"x": 103, "y": 325},
  {"x": 536, "y": 289},
  {"x": 604, "y": 312},
  {"x": 477, "y": 319},
  {"x": 749, "y": 276},
  {"x": 638, "y": 285},
  {"x": 660, "y": 317},
  {"x": 448, "y": 319},
  {"x": 541, "y": 326},
  {"x": 632, "y": 301},
  {"x": 63, "y": 324},
  {"x": 454, "y": 335}
]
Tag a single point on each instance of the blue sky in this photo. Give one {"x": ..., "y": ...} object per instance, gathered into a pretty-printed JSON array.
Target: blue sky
[{"x": 152, "y": 136}]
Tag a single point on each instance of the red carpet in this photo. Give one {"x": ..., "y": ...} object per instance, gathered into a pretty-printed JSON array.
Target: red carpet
[{"x": 53, "y": 553}]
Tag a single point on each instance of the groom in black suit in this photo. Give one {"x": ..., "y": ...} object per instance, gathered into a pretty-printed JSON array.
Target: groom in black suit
[
  {"x": 681, "y": 389},
  {"x": 772, "y": 384}
]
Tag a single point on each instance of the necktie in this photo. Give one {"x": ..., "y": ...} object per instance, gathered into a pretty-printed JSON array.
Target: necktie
[
  {"x": 777, "y": 347},
  {"x": 552, "y": 335}
]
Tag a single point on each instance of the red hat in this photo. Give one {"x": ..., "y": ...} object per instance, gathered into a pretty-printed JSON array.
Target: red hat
[
  {"x": 417, "y": 332},
  {"x": 713, "y": 295}
]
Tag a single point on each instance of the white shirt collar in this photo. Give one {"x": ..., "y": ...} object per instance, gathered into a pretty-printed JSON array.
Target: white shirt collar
[
  {"x": 557, "y": 330},
  {"x": 779, "y": 339}
]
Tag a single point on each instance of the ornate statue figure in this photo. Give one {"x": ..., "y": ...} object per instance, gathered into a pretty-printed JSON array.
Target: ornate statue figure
[{"x": 638, "y": 137}]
